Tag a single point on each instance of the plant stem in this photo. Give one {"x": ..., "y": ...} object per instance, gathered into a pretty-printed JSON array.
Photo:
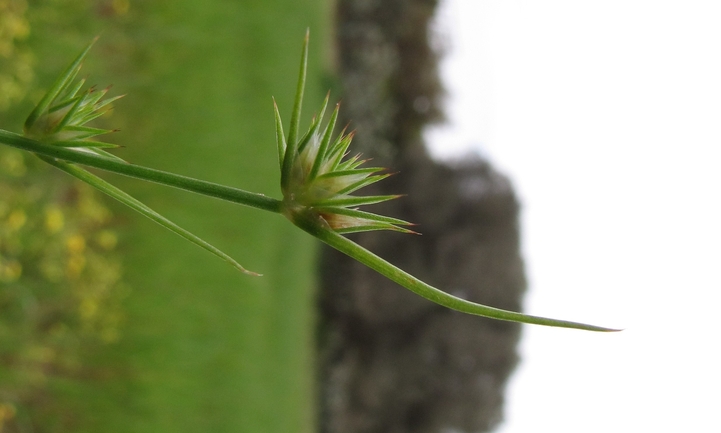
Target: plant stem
[
  {"x": 306, "y": 220},
  {"x": 122, "y": 197},
  {"x": 311, "y": 225},
  {"x": 89, "y": 159}
]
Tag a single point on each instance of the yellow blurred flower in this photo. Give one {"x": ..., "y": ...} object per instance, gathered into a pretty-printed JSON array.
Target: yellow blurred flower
[
  {"x": 7, "y": 412},
  {"x": 10, "y": 271},
  {"x": 13, "y": 163},
  {"x": 75, "y": 266},
  {"x": 88, "y": 307},
  {"x": 121, "y": 7},
  {"x": 16, "y": 219},
  {"x": 107, "y": 239},
  {"x": 54, "y": 219},
  {"x": 75, "y": 244}
]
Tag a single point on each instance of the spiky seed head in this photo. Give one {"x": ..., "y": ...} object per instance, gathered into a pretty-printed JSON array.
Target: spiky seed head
[
  {"x": 61, "y": 115},
  {"x": 317, "y": 177}
]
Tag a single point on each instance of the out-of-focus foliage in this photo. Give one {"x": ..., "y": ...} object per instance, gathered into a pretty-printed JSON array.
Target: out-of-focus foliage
[
  {"x": 202, "y": 348},
  {"x": 16, "y": 61},
  {"x": 60, "y": 289},
  {"x": 60, "y": 274}
]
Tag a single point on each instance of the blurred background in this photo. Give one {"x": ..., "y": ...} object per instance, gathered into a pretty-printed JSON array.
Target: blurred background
[
  {"x": 578, "y": 149},
  {"x": 605, "y": 115},
  {"x": 109, "y": 322}
]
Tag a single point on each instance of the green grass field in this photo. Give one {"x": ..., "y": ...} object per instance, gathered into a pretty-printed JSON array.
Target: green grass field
[{"x": 204, "y": 348}]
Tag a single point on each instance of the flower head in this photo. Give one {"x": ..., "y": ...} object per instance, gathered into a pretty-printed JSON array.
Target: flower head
[
  {"x": 317, "y": 176},
  {"x": 60, "y": 117}
]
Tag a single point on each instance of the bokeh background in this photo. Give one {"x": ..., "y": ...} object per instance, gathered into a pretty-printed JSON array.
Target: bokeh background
[
  {"x": 109, "y": 322},
  {"x": 603, "y": 116}
]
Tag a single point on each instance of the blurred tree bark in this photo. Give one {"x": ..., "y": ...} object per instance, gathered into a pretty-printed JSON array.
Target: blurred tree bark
[{"x": 391, "y": 361}]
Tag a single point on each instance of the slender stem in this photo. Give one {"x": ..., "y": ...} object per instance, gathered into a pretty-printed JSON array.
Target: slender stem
[
  {"x": 122, "y": 197},
  {"x": 310, "y": 224},
  {"x": 307, "y": 221},
  {"x": 223, "y": 192}
]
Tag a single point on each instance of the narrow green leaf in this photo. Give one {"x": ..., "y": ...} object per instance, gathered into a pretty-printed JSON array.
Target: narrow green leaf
[
  {"x": 84, "y": 143},
  {"x": 81, "y": 132},
  {"x": 103, "y": 153},
  {"x": 348, "y": 200},
  {"x": 292, "y": 148},
  {"x": 306, "y": 138},
  {"x": 331, "y": 150},
  {"x": 279, "y": 135},
  {"x": 355, "y": 172},
  {"x": 336, "y": 181},
  {"x": 342, "y": 182},
  {"x": 427, "y": 291},
  {"x": 60, "y": 84},
  {"x": 92, "y": 115},
  {"x": 352, "y": 163},
  {"x": 339, "y": 150},
  {"x": 363, "y": 183},
  {"x": 355, "y": 213},
  {"x": 92, "y": 97},
  {"x": 65, "y": 103},
  {"x": 96, "y": 111},
  {"x": 68, "y": 116},
  {"x": 74, "y": 90},
  {"x": 104, "y": 103},
  {"x": 314, "y": 125},
  {"x": 325, "y": 141},
  {"x": 139, "y": 207},
  {"x": 343, "y": 224},
  {"x": 371, "y": 228}
]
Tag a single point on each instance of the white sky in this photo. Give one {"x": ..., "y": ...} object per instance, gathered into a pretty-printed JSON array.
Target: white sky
[{"x": 607, "y": 117}]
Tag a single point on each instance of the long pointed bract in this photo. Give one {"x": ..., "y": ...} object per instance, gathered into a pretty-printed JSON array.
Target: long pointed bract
[
  {"x": 316, "y": 183},
  {"x": 141, "y": 208},
  {"x": 60, "y": 84},
  {"x": 292, "y": 148},
  {"x": 427, "y": 291},
  {"x": 279, "y": 136}
]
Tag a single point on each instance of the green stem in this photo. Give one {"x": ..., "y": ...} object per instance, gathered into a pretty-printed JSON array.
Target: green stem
[
  {"x": 223, "y": 192},
  {"x": 311, "y": 225},
  {"x": 307, "y": 221},
  {"x": 122, "y": 197}
]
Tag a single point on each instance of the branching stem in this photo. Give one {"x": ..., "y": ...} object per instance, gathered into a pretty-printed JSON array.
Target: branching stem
[
  {"x": 397, "y": 275},
  {"x": 315, "y": 181},
  {"x": 223, "y": 192}
]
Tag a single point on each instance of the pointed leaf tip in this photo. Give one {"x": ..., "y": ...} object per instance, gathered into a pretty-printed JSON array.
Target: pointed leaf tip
[
  {"x": 60, "y": 84},
  {"x": 292, "y": 142},
  {"x": 141, "y": 208}
]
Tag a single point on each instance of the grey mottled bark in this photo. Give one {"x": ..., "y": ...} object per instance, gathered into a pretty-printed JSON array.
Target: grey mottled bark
[{"x": 392, "y": 362}]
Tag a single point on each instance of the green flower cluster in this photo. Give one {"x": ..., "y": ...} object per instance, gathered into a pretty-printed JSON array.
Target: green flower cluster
[
  {"x": 60, "y": 117},
  {"x": 318, "y": 183},
  {"x": 318, "y": 180}
]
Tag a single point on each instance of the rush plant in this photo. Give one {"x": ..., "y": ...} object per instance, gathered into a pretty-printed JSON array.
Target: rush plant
[{"x": 318, "y": 180}]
